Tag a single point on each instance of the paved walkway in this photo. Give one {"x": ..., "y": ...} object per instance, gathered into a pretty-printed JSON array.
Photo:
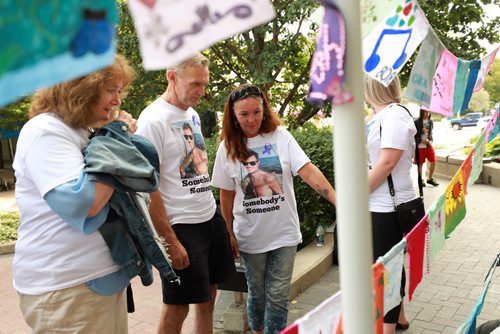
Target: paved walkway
[{"x": 440, "y": 304}]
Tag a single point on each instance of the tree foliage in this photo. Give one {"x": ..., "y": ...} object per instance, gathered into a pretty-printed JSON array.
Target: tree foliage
[
  {"x": 277, "y": 56},
  {"x": 480, "y": 101}
]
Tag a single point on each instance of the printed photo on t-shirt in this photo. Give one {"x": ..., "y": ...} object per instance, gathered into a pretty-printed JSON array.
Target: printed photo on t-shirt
[
  {"x": 261, "y": 174},
  {"x": 193, "y": 153}
]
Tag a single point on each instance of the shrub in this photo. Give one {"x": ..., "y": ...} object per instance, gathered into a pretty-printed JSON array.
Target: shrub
[
  {"x": 312, "y": 208},
  {"x": 317, "y": 143},
  {"x": 9, "y": 223},
  {"x": 493, "y": 149}
]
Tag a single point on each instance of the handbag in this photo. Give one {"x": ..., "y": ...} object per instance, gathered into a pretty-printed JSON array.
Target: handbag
[{"x": 408, "y": 213}]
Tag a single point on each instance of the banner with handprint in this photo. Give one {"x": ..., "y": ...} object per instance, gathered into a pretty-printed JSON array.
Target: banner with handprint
[
  {"x": 47, "y": 42},
  {"x": 170, "y": 31},
  {"x": 387, "y": 48}
]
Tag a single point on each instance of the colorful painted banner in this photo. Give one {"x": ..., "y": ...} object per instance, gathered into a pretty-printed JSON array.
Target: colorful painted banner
[
  {"x": 460, "y": 84},
  {"x": 469, "y": 326},
  {"x": 387, "y": 48},
  {"x": 466, "y": 169},
  {"x": 419, "y": 87},
  {"x": 474, "y": 67},
  {"x": 492, "y": 125},
  {"x": 416, "y": 247},
  {"x": 496, "y": 128},
  {"x": 170, "y": 31},
  {"x": 44, "y": 43},
  {"x": 325, "y": 318},
  {"x": 455, "y": 203},
  {"x": 477, "y": 158},
  {"x": 327, "y": 70},
  {"x": 393, "y": 264},
  {"x": 486, "y": 63},
  {"x": 374, "y": 11},
  {"x": 436, "y": 218},
  {"x": 443, "y": 84},
  {"x": 378, "y": 287}
]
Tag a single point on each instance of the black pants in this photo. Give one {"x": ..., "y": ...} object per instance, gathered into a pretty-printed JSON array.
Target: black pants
[{"x": 385, "y": 234}]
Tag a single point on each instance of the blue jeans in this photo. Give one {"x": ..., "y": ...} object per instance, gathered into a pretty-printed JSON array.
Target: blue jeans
[{"x": 269, "y": 276}]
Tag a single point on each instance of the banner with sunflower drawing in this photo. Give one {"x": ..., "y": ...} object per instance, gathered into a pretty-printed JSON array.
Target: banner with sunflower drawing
[{"x": 455, "y": 197}]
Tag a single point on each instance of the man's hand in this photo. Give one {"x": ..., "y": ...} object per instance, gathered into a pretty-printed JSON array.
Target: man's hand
[{"x": 178, "y": 255}]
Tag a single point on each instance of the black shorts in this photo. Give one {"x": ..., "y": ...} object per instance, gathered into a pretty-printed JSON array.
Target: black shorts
[
  {"x": 210, "y": 261},
  {"x": 386, "y": 233}
]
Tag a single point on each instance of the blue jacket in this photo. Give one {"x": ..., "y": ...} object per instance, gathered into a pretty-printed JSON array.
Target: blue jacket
[{"x": 129, "y": 163}]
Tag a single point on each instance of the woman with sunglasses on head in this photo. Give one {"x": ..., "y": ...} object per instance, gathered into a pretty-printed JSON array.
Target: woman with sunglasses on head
[{"x": 264, "y": 229}]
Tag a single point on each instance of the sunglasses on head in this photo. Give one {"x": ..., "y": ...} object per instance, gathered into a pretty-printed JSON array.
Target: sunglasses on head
[
  {"x": 244, "y": 92},
  {"x": 188, "y": 137},
  {"x": 251, "y": 163}
]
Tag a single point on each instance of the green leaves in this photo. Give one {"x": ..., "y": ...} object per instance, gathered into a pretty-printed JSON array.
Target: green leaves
[{"x": 8, "y": 227}]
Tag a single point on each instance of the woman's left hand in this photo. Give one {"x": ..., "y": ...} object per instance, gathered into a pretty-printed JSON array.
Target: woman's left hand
[{"x": 127, "y": 118}]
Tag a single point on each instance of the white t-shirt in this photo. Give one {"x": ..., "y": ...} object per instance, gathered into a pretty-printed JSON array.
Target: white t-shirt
[
  {"x": 51, "y": 254},
  {"x": 185, "y": 184},
  {"x": 398, "y": 131},
  {"x": 264, "y": 223}
]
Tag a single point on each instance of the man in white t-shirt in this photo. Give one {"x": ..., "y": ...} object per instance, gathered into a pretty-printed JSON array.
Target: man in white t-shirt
[{"x": 183, "y": 210}]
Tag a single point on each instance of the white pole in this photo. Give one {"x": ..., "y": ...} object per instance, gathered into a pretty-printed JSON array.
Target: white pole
[{"x": 353, "y": 219}]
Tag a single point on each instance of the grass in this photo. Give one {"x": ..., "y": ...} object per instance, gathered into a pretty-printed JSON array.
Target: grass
[{"x": 8, "y": 226}]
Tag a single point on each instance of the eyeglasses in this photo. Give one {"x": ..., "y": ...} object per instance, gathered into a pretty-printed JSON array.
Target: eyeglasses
[
  {"x": 251, "y": 163},
  {"x": 243, "y": 92},
  {"x": 189, "y": 137}
]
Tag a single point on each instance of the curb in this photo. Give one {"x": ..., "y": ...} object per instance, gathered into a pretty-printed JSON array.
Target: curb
[
  {"x": 7, "y": 248},
  {"x": 448, "y": 165}
]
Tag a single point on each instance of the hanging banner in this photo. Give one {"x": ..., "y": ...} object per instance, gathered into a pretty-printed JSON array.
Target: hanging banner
[
  {"x": 325, "y": 318},
  {"x": 474, "y": 67},
  {"x": 466, "y": 169},
  {"x": 416, "y": 247},
  {"x": 477, "y": 158},
  {"x": 378, "y": 286},
  {"x": 469, "y": 326},
  {"x": 47, "y": 42},
  {"x": 436, "y": 238},
  {"x": 374, "y": 11},
  {"x": 492, "y": 127},
  {"x": 327, "y": 69},
  {"x": 496, "y": 127},
  {"x": 170, "y": 31},
  {"x": 486, "y": 63},
  {"x": 419, "y": 87},
  {"x": 455, "y": 203},
  {"x": 460, "y": 84},
  {"x": 387, "y": 48},
  {"x": 393, "y": 270},
  {"x": 443, "y": 84}
]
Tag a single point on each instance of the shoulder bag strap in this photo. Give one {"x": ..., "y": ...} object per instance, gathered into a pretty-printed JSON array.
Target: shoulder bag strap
[{"x": 390, "y": 183}]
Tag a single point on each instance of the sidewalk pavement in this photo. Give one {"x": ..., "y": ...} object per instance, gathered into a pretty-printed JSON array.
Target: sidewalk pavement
[{"x": 440, "y": 304}]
